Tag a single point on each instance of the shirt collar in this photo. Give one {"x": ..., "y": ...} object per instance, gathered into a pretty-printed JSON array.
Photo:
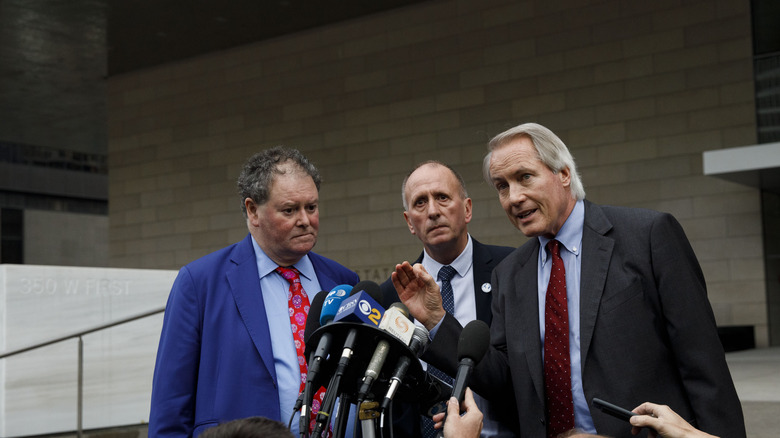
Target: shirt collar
[
  {"x": 570, "y": 234},
  {"x": 266, "y": 266},
  {"x": 461, "y": 264}
]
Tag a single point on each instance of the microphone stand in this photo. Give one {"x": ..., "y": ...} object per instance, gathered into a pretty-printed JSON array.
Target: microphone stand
[
  {"x": 342, "y": 416},
  {"x": 367, "y": 415},
  {"x": 323, "y": 416},
  {"x": 303, "y": 421}
]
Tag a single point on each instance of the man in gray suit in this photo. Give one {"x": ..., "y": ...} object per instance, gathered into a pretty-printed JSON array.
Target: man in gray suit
[
  {"x": 615, "y": 309},
  {"x": 437, "y": 210}
]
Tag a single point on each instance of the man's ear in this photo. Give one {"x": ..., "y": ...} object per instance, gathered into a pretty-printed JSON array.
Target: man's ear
[
  {"x": 251, "y": 211},
  {"x": 468, "y": 209},
  {"x": 409, "y": 223},
  {"x": 565, "y": 176}
]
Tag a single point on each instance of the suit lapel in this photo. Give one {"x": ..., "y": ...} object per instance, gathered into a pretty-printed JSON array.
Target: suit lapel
[
  {"x": 321, "y": 270},
  {"x": 524, "y": 282},
  {"x": 244, "y": 282},
  {"x": 482, "y": 264},
  {"x": 596, "y": 255}
]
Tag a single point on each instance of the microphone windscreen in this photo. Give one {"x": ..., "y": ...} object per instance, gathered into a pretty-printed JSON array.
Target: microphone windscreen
[
  {"x": 474, "y": 341},
  {"x": 313, "y": 319},
  {"x": 419, "y": 340},
  {"x": 401, "y": 307},
  {"x": 333, "y": 301},
  {"x": 369, "y": 287}
]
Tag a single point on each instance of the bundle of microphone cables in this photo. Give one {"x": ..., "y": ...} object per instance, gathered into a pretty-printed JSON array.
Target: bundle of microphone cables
[{"x": 367, "y": 356}]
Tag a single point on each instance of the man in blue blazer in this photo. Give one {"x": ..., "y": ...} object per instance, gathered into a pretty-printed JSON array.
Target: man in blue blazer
[
  {"x": 227, "y": 350},
  {"x": 437, "y": 210},
  {"x": 637, "y": 322}
]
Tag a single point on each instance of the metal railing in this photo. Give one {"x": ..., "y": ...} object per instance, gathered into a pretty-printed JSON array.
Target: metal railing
[{"x": 79, "y": 335}]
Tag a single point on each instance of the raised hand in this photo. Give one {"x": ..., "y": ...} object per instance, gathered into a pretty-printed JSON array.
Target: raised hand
[{"x": 419, "y": 292}]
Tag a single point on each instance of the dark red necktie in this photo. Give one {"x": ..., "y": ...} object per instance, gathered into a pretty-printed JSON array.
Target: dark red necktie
[
  {"x": 298, "y": 306},
  {"x": 557, "y": 367}
]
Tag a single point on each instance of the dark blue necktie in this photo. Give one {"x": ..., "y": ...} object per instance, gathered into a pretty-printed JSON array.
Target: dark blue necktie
[{"x": 448, "y": 302}]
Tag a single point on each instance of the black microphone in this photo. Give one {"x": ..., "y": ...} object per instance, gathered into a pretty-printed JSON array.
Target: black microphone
[
  {"x": 417, "y": 346},
  {"x": 354, "y": 308},
  {"x": 321, "y": 311},
  {"x": 472, "y": 346}
]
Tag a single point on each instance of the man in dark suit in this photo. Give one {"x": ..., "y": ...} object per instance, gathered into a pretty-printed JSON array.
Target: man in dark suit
[
  {"x": 615, "y": 309},
  {"x": 437, "y": 210},
  {"x": 227, "y": 349}
]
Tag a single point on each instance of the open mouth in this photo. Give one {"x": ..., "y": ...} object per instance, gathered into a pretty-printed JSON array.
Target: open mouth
[{"x": 525, "y": 214}]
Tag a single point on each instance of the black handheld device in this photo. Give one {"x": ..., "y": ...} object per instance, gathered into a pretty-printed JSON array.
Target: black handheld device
[{"x": 615, "y": 411}]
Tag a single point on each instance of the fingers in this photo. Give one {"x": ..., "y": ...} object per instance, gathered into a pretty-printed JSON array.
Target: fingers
[
  {"x": 419, "y": 272},
  {"x": 468, "y": 400},
  {"x": 470, "y": 406},
  {"x": 646, "y": 417},
  {"x": 647, "y": 408},
  {"x": 401, "y": 275},
  {"x": 438, "y": 420}
]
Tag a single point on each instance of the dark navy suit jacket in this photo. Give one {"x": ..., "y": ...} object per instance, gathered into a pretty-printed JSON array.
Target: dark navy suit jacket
[{"x": 406, "y": 417}]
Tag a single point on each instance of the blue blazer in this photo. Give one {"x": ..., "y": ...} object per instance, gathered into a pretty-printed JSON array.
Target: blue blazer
[{"x": 215, "y": 362}]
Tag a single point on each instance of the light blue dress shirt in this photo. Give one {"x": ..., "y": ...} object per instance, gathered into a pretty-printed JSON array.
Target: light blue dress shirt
[
  {"x": 275, "y": 288},
  {"x": 570, "y": 237},
  {"x": 288, "y": 372}
]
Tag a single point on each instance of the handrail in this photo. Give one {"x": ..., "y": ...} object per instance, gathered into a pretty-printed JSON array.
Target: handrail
[
  {"x": 81, "y": 333},
  {"x": 80, "y": 396}
]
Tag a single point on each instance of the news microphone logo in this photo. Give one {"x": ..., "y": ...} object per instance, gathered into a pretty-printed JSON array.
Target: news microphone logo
[
  {"x": 336, "y": 295},
  {"x": 360, "y": 308},
  {"x": 396, "y": 322}
]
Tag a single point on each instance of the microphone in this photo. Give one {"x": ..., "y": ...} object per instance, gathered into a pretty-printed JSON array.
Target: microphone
[
  {"x": 333, "y": 302},
  {"x": 321, "y": 312},
  {"x": 472, "y": 346},
  {"x": 396, "y": 322},
  {"x": 330, "y": 305},
  {"x": 362, "y": 306},
  {"x": 417, "y": 346}
]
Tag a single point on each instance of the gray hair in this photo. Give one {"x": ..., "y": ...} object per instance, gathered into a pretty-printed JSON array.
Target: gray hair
[
  {"x": 549, "y": 148},
  {"x": 463, "y": 193},
  {"x": 260, "y": 169}
]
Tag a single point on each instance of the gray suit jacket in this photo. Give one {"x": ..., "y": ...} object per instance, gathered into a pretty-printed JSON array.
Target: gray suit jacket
[{"x": 647, "y": 331}]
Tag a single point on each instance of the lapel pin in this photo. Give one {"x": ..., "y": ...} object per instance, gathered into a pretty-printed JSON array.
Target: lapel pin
[{"x": 486, "y": 287}]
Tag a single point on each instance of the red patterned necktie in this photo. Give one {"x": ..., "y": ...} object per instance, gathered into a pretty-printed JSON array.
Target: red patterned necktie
[
  {"x": 298, "y": 306},
  {"x": 557, "y": 367}
]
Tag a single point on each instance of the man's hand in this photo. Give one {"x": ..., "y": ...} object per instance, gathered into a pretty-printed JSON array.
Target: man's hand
[
  {"x": 664, "y": 422},
  {"x": 469, "y": 425},
  {"x": 419, "y": 293}
]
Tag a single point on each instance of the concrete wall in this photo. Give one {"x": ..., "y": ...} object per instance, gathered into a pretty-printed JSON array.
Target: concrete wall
[
  {"x": 636, "y": 89},
  {"x": 38, "y": 389}
]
